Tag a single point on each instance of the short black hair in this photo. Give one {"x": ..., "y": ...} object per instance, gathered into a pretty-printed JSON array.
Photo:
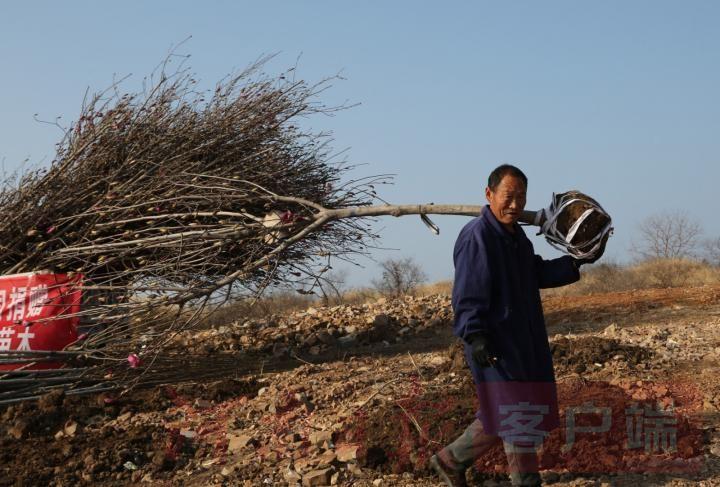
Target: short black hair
[{"x": 503, "y": 170}]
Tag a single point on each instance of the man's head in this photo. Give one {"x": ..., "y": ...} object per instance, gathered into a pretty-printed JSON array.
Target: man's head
[{"x": 506, "y": 192}]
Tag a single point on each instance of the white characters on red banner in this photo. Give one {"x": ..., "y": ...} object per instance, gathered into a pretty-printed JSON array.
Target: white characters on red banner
[
  {"x": 16, "y": 304},
  {"x": 38, "y": 311},
  {"x": 18, "y": 297},
  {"x": 38, "y": 299},
  {"x": 25, "y": 337},
  {"x": 20, "y": 303},
  {"x": 6, "y": 334}
]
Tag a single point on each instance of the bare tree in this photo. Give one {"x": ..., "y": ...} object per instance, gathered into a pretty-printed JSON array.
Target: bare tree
[
  {"x": 333, "y": 285},
  {"x": 711, "y": 248},
  {"x": 399, "y": 277},
  {"x": 668, "y": 235}
]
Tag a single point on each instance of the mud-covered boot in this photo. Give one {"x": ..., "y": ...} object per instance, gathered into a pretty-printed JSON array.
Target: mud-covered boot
[{"x": 452, "y": 478}]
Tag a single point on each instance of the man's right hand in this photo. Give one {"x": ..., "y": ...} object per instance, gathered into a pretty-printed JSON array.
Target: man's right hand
[{"x": 480, "y": 351}]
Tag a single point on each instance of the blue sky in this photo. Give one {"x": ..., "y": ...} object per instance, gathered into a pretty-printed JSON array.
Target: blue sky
[{"x": 617, "y": 99}]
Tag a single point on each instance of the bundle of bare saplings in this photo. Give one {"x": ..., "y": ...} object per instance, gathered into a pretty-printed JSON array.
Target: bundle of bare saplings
[{"x": 165, "y": 201}]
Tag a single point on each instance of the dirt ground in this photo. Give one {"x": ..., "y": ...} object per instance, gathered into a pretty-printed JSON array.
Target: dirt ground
[{"x": 364, "y": 395}]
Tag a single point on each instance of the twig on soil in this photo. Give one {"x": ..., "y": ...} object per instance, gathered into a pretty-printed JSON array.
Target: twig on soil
[
  {"x": 294, "y": 355},
  {"x": 391, "y": 381},
  {"x": 416, "y": 424},
  {"x": 415, "y": 365}
]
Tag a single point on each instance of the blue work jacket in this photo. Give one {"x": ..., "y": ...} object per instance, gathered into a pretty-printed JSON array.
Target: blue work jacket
[{"x": 497, "y": 292}]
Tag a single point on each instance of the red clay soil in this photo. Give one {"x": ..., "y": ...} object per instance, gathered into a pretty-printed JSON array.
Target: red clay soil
[
  {"x": 401, "y": 437},
  {"x": 612, "y": 305}
]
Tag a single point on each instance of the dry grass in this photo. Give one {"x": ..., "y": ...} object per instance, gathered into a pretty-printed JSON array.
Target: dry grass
[
  {"x": 596, "y": 279},
  {"x": 649, "y": 274},
  {"x": 440, "y": 287},
  {"x": 611, "y": 277},
  {"x": 249, "y": 309}
]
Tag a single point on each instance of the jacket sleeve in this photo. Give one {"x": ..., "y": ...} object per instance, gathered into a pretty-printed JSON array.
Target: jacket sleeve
[
  {"x": 556, "y": 272},
  {"x": 471, "y": 288}
]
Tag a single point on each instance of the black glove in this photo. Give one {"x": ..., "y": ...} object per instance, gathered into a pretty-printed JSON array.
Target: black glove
[
  {"x": 594, "y": 258},
  {"x": 480, "y": 351},
  {"x": 579, "y": 262}
]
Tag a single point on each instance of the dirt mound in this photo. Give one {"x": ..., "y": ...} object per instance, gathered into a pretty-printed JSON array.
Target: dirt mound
[
  {"x": 401, "y": 436},
  {"x": 580, "y": 354},
  {"x": 612, "y": 428},
  {"x": 90, "y": 455},
  {"x": 571, "y": 355},
  {"x": 61, "y": 440},
  {"x": 215, "y": 391},
  {"x": 315, "y": 331}
]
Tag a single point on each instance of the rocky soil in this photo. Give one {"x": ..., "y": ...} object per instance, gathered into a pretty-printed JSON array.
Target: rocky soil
[{"x": 363, "y": 395}]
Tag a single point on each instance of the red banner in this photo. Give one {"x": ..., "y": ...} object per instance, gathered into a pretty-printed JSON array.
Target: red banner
[{"x": 33, "y": 312}]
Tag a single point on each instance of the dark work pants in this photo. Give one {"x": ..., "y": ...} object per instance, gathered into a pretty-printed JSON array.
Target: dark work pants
[{"x": 473, "y": 443}]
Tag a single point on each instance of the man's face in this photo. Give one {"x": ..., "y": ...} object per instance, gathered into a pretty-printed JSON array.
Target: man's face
[{"x": 508, "y": 200}]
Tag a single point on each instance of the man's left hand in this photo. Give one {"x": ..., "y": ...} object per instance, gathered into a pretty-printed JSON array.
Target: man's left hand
[
  {"x": 594, "y": 258},
  {"x": 480, "y": 351}
]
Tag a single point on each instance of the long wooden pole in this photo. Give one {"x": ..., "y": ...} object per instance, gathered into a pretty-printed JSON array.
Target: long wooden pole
[{"x": 527, "y": 216}]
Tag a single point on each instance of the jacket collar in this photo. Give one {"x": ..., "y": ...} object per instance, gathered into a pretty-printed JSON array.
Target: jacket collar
[{"x": 510, "y": 238}]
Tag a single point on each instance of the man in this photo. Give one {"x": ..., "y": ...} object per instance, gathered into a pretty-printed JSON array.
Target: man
[{"x": 498, "y": 315}]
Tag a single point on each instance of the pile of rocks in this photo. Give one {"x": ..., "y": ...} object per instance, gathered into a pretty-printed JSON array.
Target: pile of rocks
[
  {"x": 301, "y": 427},
  {"x": 316, "y": 331}
]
